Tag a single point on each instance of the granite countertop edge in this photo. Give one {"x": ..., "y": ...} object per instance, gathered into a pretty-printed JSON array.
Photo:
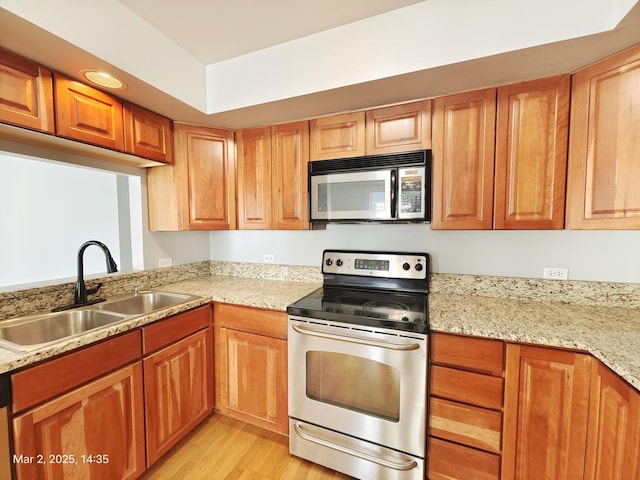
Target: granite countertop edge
[{"x": 611, "y": 334}]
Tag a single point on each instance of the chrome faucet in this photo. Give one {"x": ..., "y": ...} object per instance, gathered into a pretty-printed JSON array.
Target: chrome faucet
[{"x": 81, "y": 292}]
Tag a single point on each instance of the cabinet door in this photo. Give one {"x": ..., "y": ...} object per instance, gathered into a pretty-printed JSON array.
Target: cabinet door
[
  {"x": 26, "y": 97},
  {"x": 400, "y": 128},
  {"x": 289, "y": 167},
  {"x": 545, "y": 413},
  {"x": 254, "y": 178},
  {"x": 253, "y": 379},
  {"x": 338, "y": 136},
  {"x": 86, "y": 114},
  {"x": 531, "y": 154},
  {"x": 613, "y": 440},
  {"x": 604, "y": 148},
  {"x": 463, "y": 159},
  {"x": 198, "y": 191},
  {"x": 93, "y": 432},
  {"x": 178, "y": 382},
  {"x": 147, "y": 134}
]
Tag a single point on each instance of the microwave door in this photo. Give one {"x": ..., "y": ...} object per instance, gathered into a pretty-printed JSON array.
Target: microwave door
[{"x": 352, "y": 196}]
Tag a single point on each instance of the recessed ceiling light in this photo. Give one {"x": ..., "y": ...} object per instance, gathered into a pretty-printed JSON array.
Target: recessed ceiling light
[{"x": 104, "y": 79}]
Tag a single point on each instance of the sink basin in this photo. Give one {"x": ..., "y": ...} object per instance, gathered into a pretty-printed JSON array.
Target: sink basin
[
  {"x": 144, "y": 302},
  {"x": 31, "y": 332}
]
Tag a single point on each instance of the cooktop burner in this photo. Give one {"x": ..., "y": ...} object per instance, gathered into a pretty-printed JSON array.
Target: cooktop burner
[{"x": 378, "y": 289}]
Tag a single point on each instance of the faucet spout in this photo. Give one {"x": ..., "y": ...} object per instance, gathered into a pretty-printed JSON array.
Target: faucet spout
[{"x": 80, "y": 295}]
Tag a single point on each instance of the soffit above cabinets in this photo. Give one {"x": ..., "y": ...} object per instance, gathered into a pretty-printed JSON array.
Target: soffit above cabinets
[{"x": 275, "y": 62}]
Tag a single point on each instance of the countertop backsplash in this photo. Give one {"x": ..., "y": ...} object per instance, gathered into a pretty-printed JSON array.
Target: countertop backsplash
[{"x": 27, "y": 301}]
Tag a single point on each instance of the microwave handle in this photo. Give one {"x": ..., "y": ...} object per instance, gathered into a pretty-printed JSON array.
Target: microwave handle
[{"x": 392, "y": 197}]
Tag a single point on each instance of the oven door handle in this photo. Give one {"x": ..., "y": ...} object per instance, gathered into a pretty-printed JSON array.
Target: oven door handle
[
  {"x": 355, "y": 339},
  {"x": 407, "y": 464}
]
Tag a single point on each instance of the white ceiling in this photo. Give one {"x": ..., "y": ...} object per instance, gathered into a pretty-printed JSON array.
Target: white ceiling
[
  {"x": 215, "y": 30},
  {"x": 241, "y": 63}
]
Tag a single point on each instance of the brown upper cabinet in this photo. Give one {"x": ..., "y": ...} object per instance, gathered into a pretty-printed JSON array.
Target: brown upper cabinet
[
  {"x": 26, "y": 97},
  {"x": 604, "y": 150},
  {"x": 463, "y": 160},
  {"x": 519, "y": 184},
  {"x": 531, "y": 154},
  {"x": 198, "y": 191},
  {"x": 147, "y": 134},
  {"x": 272, "y": 177},
  {"x": 399, "y": 128},
  {"x": 337, "y": 136},
  {"x": 86, "y": 114}
]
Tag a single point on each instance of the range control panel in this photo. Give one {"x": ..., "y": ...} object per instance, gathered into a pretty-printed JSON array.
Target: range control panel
[{"x": 375, "y": 264}]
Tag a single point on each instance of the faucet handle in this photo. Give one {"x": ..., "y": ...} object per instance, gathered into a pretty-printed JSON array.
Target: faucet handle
[
  {"x": 94, "y": 290},
  {"x": 135, "y": 290}
]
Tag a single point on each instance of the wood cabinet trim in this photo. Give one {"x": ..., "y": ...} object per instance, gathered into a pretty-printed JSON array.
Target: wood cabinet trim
[{"x": 39, "y": 383}]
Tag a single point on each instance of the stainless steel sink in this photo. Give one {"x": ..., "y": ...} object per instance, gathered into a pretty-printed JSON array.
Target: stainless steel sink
[
  {"x": 32, "y": 332},
  {"x": 144, "y": 302}
]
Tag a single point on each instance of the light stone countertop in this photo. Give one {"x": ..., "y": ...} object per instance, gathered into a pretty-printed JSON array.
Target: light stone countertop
[{"x": 610, "y": 334}]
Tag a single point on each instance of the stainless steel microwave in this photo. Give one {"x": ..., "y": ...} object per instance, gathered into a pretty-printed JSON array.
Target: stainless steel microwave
[{"x": 377, "y": 188}]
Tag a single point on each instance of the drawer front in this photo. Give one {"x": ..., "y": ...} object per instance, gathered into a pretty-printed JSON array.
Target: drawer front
[
  {"x": 448, "y": 461},
  {"x": 467, "y": 387},
  {"x": 51, "y": 378},
  {"x": 472, "y": 426},
  {"x": 469, "y": 353},
  {"x": 165, "y": 332}
]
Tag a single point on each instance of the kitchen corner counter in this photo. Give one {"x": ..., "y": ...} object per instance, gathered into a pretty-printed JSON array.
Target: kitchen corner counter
[
  {"x": 248, "y": 292},
  {"x": 611, "y": 334}
]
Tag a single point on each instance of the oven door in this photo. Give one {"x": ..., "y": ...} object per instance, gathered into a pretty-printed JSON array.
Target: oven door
[
  {"x": 359, "y": 381},
  {"x": 368, "y": 195}
]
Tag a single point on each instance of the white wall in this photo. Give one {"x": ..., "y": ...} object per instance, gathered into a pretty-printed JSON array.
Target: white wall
[{"x": 607, "y": 256}]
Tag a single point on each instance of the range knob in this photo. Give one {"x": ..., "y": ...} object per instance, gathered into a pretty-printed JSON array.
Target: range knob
[
  {"x": 328, "y": 262},
  {"x": 406, "y": 266},
  {"x": 419, "y": 267},
  {"x": 339, "y": 263}
]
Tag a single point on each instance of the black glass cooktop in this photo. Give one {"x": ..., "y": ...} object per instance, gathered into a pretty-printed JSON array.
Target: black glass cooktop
[{"x": 375, "y": 308}]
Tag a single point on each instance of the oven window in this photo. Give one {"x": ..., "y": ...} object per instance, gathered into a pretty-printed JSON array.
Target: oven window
[{"x": 354, "y": 383}]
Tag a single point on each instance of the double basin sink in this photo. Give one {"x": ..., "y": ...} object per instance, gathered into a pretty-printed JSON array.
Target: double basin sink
[{"x": 35, "y": 331}]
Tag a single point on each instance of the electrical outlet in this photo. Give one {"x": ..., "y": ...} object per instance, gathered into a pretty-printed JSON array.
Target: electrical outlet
[
  {"x": 556, "y": 273},
  {"x": 268, "y": 258},
  {"x": 165, "y": 262}
]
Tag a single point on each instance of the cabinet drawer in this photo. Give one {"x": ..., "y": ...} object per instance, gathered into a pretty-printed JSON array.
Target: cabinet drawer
[
  {"x": 59, "y": 375},
  {"x": 248, "y": 319},
  {"x": 472, "y": 426},
  {"x": 448, "y": 461},
  {"x": 166, "y": 332},
  {"x": 477, "y": 354},
  {"x": 467, "y": 387}
]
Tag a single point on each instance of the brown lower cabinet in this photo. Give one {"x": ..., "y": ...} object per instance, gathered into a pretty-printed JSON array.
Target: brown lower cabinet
[
  {"x": 90, "y": 413},
  {"x": 95, "y": 431},
  {"x": 178, "y": 378},
  {"x": 565, "y": 415},
  {"x": 251, "y": 365}
]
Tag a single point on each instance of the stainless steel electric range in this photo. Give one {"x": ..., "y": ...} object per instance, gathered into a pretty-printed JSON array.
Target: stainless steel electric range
[{"x": 358, "y": 366}]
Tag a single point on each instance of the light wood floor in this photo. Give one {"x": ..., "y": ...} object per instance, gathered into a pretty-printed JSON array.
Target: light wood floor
[{"x": 222, "y": 448}]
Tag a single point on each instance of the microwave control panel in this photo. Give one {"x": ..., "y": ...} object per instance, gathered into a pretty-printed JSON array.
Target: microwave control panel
[{"x": 411, "y": 192}]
